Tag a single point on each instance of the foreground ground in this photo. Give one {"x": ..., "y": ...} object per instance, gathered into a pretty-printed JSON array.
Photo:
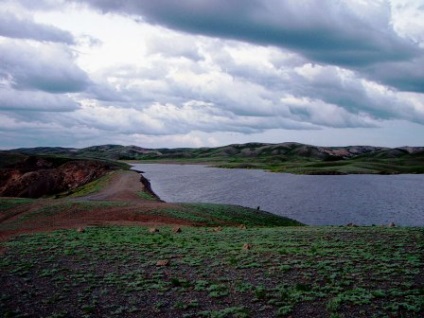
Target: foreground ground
[
  {"x": 283, "y": 272},
  {"x": 94, "y": 254}
]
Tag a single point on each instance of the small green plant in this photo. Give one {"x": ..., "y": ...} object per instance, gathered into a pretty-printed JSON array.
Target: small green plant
[
  {"x": 146, "y": 196},
  {"x": 217, "y": 290},
  {"x": 260, "y": 292}
]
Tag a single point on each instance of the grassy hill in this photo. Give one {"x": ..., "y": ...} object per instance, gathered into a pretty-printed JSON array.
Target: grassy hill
[{"x": 283, "y": 157}]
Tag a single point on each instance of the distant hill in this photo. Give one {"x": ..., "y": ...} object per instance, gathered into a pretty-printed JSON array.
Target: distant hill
[
  {"x": 283, "y": 157},
  {"x": 114, "y": 152}
]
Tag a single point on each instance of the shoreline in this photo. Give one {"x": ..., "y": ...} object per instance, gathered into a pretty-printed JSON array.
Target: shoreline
[{"x": 147, "y": 187}]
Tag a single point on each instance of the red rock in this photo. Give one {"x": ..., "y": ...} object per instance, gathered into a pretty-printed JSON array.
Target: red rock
[
  {"x": 247, "y": 246},
  {"x": 177, "y": 229},
  {"x": 163, "y": 262}
]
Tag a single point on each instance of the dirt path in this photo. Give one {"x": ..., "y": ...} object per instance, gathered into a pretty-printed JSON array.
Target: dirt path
[{"x": 124, "y": 186}]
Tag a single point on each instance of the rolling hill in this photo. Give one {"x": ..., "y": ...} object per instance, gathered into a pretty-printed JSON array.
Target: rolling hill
[{"x": 283, "y": 157}]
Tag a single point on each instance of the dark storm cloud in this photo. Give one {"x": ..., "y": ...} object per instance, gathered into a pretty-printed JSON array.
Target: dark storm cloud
[
  {"x": 329, "y": 32},
  {"x": 14, "y": 27},
  {"x": 404, "y": 75},
  {"x": 46, "y": 68}
]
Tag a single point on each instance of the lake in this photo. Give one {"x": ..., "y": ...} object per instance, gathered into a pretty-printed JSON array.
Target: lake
[{"x": 314, "y": 200}]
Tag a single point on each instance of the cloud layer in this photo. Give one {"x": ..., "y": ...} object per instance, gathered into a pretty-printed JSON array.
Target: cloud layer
[
  {"x": 356, "y": 35},
  {"x": 203, "y": 72}
]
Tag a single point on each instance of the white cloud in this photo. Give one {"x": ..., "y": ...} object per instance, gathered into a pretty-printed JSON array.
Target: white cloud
[
  {"x": 40, "y": 66},
  {"x": 30, "y": 101},
  {"x": 408, "y": 19},
  {"x": 24, "y": 27},
  {"x": 324, "y": 114},
  {"x": 122, "y": 75}
]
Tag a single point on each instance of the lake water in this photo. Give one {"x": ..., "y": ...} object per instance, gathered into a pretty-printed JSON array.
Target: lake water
[{"x": 314, "y": 200}]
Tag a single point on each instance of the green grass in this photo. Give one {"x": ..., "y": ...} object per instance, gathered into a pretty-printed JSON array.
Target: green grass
[
  {"x": 146, "y": 196},
  {"x": 302, "y": 165},
  {"x": 289, "y": 271},
  {"x": 92, "y": 187},
  {"x": 209, "y": 213},
  {"x": 10, "y": 203},
  {"x": 9, "y": 207}
]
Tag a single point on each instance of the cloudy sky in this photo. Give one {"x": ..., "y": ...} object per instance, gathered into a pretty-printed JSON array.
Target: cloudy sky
[{"x": 192, "y": 73}]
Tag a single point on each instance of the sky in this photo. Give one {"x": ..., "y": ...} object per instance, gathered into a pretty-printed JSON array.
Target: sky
[{"x": 206, "y": 73}]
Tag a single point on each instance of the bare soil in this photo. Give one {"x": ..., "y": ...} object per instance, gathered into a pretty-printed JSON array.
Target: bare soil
[{"x": 123, "y": 186}]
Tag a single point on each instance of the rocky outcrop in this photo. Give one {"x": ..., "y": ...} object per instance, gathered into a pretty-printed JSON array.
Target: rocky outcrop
[{"x": 35, "y": 177}]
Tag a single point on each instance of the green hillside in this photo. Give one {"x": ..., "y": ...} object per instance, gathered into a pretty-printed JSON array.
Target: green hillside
[{"x": 283, "y": 157}]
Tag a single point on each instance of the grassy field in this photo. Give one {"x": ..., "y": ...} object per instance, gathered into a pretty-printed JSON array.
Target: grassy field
[
  {"x": 49, "y": 214},
  {"x": 311, "y": 166},
  {"x": 208, "y": 272}
]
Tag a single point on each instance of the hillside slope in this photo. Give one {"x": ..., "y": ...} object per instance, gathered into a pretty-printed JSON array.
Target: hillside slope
[
  {"x": 283, "y": 157},
  {"x": 249, "y": 150}
]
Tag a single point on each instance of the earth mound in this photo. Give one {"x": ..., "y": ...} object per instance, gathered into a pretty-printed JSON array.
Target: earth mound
[{"x": 34, "y": 176}]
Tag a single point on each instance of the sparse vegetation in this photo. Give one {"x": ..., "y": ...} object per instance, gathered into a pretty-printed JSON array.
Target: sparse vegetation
[
  {"x": 297, "y": 272},
  {"x": 210, "y": 214},
  {"x": 146, "y": 196},
  {"x": 91, "y": 187}
]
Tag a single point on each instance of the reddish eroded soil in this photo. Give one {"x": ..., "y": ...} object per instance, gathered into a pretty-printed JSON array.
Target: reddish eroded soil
[
  {"x": 119, "y": 203},
  {"x": 35, "y": 177}
]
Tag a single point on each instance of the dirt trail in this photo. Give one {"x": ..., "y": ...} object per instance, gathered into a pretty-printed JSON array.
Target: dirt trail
[{"x": 124, "y": 186}]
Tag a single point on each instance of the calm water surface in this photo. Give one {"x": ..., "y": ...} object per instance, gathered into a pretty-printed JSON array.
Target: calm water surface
[{"x": 314, "y": 200}]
